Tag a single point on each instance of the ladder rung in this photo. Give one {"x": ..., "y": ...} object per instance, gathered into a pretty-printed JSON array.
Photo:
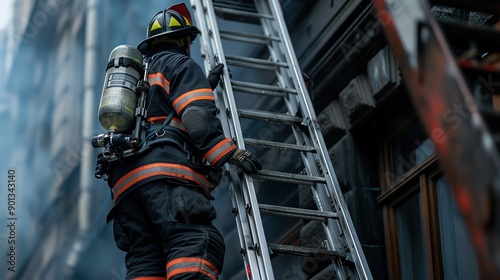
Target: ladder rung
[
  {"x": 247, "y": 37},
  {"x": 306, "y": 252},
  {"x": 244, "y": 14},
  {"x": 262, "y": 89},
  {"x": 256, "y": 63},
  {"x": 267, "y": 116},
  {"x": 242, "y": 5},
  {"x": 284, "y": 177},
  {"x": 299, "y": 213},
  {"x": 261, "y": 92},
  {"x": 279, "y": 145}
]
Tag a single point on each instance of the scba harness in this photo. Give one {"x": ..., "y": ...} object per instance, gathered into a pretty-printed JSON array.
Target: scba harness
[
  {"x": 123, "y": 144},
  {"x": 118, "y": 147}
]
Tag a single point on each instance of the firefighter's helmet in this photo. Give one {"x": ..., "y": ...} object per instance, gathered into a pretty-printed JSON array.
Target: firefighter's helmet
[{"x": 172, "y": 23}]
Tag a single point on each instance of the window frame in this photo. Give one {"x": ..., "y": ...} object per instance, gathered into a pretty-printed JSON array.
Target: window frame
[{"x": 420, "y": 179}]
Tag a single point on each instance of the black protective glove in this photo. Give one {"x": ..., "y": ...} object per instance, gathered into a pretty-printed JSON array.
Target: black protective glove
[
  {"x": 214, "y": 177},
  {"x": 214, "y": 75},
  {"x": 245, "y": 161}
]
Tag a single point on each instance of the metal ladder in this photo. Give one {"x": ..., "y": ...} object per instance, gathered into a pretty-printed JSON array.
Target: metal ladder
[
  {"x": 448, "y": 67},
  {"x": 342, "y": 244}
]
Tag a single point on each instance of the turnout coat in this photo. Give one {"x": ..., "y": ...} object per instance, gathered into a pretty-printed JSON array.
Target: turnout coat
[{"x": 193, "y": 143}]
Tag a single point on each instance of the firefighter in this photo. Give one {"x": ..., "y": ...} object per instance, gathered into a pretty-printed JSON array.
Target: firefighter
[{"x": 163, "y": 213}]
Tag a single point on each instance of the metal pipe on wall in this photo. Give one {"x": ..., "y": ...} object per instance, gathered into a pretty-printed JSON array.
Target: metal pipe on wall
[{"x": 86, "y": 164}]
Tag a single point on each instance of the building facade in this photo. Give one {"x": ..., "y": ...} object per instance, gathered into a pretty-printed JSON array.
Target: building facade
[
  {"x": 404, "y": 213},
  {"x": 397, "y": 195}
]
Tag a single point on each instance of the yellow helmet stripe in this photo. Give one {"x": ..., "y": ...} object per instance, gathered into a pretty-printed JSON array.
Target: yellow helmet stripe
[
  {"x": 174, "y": 22},
  {"x": 155, "y": 25},
  {"x": 186, "y": 21}
]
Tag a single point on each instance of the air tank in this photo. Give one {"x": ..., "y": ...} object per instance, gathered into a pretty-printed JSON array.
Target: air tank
[{"x": 118, "y": 99}]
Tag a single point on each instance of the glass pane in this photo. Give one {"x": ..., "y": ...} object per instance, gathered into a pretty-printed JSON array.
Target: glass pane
[
  {"x": 459, "y": 257},
  {"x": 410, "y": 149},
  {"x": 411, "y": 239}
]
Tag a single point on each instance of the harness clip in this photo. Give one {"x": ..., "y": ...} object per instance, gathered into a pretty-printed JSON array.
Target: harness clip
[{"x": 160, "y": 132}]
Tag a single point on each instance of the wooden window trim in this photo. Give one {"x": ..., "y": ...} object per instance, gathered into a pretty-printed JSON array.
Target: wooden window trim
[
  {"x": 397, "y": 192},
  {"x": 430, "y": 216},
  {"x": 421, "y": 179},
  {"x": 386, "y": 153}
]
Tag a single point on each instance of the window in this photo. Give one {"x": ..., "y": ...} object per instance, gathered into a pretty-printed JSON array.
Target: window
[
  {"x": 411, "y": 239},
  {"x": 425, "y": 235},
  {"x": 410, "y": 149},
  {"x": 456, "y": 247},
  {"x": 405, "y": 149}
]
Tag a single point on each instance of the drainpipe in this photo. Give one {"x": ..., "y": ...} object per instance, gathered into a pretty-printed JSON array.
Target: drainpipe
[
  {"x": 87, "y": 159},
  {"x": 87, "y": 163}
]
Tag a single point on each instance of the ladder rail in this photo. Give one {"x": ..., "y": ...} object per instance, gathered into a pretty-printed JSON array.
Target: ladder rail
[
  {"x": 317, "y": 138},
  {"x": 209, "y": 61},
  {"x": 246, "y": 233},
  {"x": 242, "y": 221},
  {"x": 246, "y": 187},
  {"x": 292, "y": 103}
]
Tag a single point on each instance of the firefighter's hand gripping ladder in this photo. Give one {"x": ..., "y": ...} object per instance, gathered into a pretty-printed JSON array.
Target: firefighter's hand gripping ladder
[
  {"x": 439, "y": 61},
  {"x": 342, "y": 245}
]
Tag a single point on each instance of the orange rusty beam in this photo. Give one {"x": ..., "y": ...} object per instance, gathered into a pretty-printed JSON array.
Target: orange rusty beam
[{"x": 465, "y": 146}]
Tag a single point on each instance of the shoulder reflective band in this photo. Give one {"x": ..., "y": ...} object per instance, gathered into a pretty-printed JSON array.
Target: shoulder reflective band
[
  {"x": 158, "y": 169},
  {"x": 199, "y": 94},
  {"x": 191, "y": 265},
  {"x": 160, "y": 80},
  {"x": 219, "y": 150}
]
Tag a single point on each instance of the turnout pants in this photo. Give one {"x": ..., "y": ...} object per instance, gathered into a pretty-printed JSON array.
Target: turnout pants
[{"x": 167, "y": 232}]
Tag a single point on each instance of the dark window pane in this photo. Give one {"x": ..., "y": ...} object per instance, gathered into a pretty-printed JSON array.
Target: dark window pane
[
  {"x": 459, "y": 257},
  {"x": 411, "y": 240},
  {"x": 410, "y": 149}
]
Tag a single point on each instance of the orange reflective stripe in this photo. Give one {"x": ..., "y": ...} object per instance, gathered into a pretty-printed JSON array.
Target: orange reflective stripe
[
  {"x": 176, "y": 122},
  {"x": 160, "y": 80},
  {"x": 149, "y": 278},
  {"x": 190, "y": 265},
  {"x": 219, "y": 150},
  {"x": 199, "y": 94},
  {"x": 193, "y": 260},
  {"x": 158, "y": 118},
  {"x": 174, "y": 272},
  {"x": 157, "y": 169}
]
